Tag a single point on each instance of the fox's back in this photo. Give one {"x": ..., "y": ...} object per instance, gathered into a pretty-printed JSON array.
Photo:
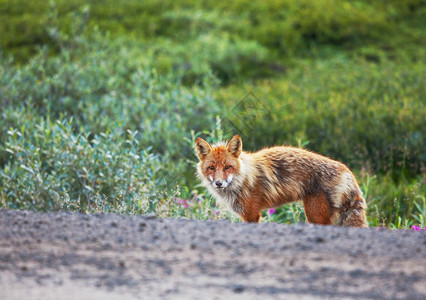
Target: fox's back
[
  {"x": 297, "y": 161},
  {"x": 291, "y": 173}
]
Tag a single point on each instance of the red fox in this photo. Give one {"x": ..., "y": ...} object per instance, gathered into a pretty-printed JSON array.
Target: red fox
[{"x": 271, "y": 177}]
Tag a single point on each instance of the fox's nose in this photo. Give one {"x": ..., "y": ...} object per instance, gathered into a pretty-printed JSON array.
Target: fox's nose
[{"x": 218, "y": 183}]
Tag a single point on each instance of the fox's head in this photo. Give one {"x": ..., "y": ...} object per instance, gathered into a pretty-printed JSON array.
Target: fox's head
[{"x": 219, "y": 164}]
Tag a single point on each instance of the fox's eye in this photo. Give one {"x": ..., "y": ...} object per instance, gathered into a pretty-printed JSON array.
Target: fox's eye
[
  {"x": 227, "y": 167},
  {"x": 211, "y": 168}
]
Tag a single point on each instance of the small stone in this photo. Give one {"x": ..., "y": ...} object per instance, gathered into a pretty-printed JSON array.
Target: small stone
[
  {"x": 319, "y": 239},
  {"x": 24, "y": 268},
  {"x": 150, "y": 217},
  {"x": 238, "y": 289}
]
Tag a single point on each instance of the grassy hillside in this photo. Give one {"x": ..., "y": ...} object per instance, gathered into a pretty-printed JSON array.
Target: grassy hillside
[{"x": 101, "y": 100}]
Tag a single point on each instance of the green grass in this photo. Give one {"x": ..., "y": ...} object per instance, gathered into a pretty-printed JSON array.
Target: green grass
[{"x": 101, "y": 103}]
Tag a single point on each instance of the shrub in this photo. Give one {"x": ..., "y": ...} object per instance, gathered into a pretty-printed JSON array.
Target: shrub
[
  {"x": 102, "y": 87},
  {"x": 367, "y": 115},
  {"x": 228, "y": 59},
  {"x": 289, "y": 28},
  {"x": 49, "y": 166},
  {"x": 103, "y": 93}
]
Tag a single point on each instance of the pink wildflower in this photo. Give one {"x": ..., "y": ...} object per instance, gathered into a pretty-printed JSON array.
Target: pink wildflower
[
  {"x": 271, "y": 211},
  {"x": 415, "y": 228},
  {"x": 180, "y": 201},
  {"x": 186, "y": 205}
]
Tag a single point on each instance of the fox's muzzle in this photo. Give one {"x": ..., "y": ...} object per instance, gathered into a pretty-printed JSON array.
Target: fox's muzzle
[{"x": 221, "y": 184}]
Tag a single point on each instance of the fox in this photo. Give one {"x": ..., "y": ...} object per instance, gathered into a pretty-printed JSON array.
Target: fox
[{"x": 250, "y": 182}]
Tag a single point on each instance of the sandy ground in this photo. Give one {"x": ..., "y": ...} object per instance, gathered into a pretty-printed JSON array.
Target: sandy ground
[{"x": 76, "y": 256}]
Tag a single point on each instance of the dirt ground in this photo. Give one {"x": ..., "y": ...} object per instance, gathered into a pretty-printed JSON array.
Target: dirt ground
[{"x": 76, "y": 256}]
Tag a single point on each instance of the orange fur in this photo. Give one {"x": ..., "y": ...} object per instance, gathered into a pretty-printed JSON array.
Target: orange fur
[
  {"x": 269, "y": 178},
  {"x": 317, "y": 210}
]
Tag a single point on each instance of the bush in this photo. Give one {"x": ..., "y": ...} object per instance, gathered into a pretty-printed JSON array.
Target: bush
[
  {"x": 367, "y": 115},
  {"x": 50, "y": 166},
  {"x": 103, "y": 87},
  {"x": 106, "y": 94},
  {"x": 284, "y": 27},
  {"x": 230, "y": 60}
]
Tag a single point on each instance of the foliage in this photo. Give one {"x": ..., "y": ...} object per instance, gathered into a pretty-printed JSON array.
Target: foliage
[
  {"x": 50, "y": 163},
  {"x": 366, "y": 115},
  {"x": 85, "y": 123},
  {"x": 102, "y": 89},
  {"x": 284, "y": 27}
]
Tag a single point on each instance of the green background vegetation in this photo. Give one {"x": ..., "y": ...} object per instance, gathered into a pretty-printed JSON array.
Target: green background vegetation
[{"x": 101, "y": 100}]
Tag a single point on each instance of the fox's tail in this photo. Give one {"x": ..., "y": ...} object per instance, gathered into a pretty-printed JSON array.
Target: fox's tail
[{"x": 352, "y": 212}]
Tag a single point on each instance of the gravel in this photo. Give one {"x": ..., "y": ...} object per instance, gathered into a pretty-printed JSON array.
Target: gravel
[{"x": 107, "y": 256}]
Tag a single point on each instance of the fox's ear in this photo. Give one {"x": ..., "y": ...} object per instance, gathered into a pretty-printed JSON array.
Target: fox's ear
[
  {"x": 203, "y": 148},
  {"x": 235, "y": 146}
]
